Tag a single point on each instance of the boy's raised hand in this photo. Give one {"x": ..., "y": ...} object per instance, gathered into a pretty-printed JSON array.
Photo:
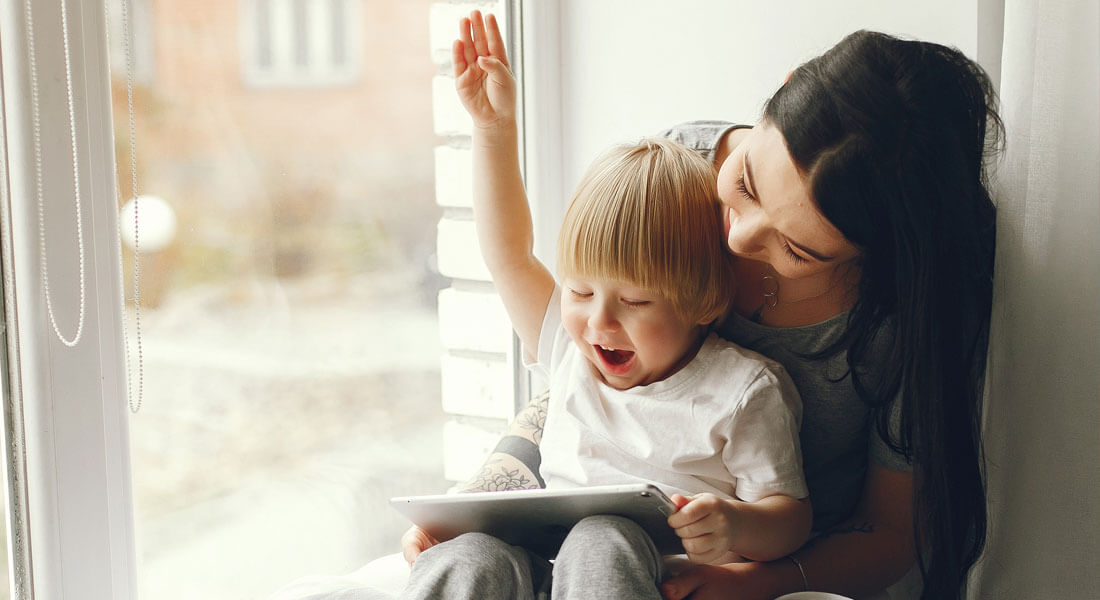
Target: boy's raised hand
[{"x": 483, "y": 78}]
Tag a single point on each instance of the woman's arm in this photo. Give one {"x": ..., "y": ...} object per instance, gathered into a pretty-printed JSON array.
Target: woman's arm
[
  {"x": 857, "y": 558},
  {"x": 514, "y": 464},
  {"x": 872, "y": 550}
]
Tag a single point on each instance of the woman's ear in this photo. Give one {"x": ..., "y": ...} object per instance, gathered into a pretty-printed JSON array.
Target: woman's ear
[{"x": 788, "y": 77}]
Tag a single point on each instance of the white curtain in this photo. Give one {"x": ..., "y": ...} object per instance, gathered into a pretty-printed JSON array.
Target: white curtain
[{"x": 1042, "y": 407}]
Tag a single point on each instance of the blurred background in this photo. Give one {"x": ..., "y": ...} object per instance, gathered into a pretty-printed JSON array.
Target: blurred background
[{"x": 289, "y": 337}]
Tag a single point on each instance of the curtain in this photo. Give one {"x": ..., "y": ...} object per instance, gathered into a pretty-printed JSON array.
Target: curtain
[{"x": 1042, "y": 410}]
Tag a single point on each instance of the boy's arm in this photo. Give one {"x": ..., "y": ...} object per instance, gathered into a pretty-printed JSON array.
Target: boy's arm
[
  {"x": 487, "y": 90},
  {"x": 763, "y": 454}
]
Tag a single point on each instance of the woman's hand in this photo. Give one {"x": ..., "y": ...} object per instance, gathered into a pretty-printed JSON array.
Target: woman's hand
[
  {"x": 706, "y": 524},
  {"x": 415, "y": 541},
  {"x": 483, "y": 79},
  {"x": 735, "y": 581}
]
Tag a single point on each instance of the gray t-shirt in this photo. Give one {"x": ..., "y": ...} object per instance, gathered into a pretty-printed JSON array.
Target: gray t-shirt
[{"x": 838, "y": 436}]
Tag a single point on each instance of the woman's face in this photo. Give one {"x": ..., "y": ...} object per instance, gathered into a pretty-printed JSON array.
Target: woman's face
[{"x": 769, "y": 214}]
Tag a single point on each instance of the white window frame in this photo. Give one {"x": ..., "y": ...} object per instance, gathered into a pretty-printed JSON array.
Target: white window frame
[
  {"x": 72, "y": 528},
  {"x": 78, "y": 519},
  {"x": 541, "y": 79}
]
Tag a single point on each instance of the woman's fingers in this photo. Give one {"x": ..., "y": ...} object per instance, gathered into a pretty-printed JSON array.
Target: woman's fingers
[{"x": 682, "y": 586}]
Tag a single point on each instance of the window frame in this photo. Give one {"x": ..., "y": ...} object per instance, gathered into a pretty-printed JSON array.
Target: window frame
[
  {"x": 536, "y": 27},
  {"x": 71, "y": 405}
]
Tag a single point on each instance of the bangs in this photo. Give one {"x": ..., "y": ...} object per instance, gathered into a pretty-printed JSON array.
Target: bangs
[{"x": 648, "y": 215}]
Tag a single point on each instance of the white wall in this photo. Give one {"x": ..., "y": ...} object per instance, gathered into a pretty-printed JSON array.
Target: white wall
[{"x": 633, "y": 67}]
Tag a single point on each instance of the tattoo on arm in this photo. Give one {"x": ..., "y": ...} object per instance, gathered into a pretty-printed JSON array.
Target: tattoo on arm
[
  {"x": 514, "y": 464},
  {"x": 501, "y": 473},
  {"x": 532, "y": 420}
]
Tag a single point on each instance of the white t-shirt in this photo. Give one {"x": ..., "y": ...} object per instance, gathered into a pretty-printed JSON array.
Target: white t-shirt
[{"x": 726, "y": 423}]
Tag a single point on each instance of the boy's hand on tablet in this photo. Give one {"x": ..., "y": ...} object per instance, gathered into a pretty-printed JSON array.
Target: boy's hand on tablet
[
  {"x": 415, "y": 541},
  {"x": 705, "y": 524}
]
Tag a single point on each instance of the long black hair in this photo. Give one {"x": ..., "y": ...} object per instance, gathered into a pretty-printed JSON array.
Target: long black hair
[{"x": 891, "y": 137}]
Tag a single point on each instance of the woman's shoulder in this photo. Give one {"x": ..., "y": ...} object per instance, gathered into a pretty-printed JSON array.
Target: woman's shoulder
[{"x": 702, "y": 136}]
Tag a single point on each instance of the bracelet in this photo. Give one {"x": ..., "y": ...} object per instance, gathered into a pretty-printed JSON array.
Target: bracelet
[{"x": 801, "y": 571}]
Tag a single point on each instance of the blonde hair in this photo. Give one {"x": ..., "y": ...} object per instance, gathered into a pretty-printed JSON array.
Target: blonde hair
[{"x": 648, "y": 214}]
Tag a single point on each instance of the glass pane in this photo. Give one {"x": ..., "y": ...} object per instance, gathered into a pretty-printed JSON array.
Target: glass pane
[{"x": 288, "y": 293}]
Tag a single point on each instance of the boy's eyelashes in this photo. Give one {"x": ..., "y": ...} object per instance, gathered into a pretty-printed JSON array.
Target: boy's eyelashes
[{"x": 627, "y": 301}]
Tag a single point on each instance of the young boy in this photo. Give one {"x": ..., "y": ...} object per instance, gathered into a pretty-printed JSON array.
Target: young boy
[{"x": 640, "y": 390}]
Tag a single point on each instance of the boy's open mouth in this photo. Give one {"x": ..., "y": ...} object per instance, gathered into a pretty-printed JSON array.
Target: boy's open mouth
[{"x": 614, "y": 357}]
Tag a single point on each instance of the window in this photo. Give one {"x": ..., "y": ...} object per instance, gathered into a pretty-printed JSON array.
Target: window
[
  {"x": 290, "y": 337},
  {"x": 291, "y": 356},
  {"x": 302, "y": 42}
]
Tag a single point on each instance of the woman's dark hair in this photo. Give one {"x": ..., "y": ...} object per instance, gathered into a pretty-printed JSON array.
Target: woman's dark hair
[{"x": 891, "y": 137}]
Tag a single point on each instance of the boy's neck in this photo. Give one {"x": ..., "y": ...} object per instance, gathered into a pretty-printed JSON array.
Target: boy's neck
[{"x": 701, "y": 333}]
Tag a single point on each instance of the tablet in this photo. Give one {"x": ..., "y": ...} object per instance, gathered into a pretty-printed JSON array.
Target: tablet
[{"x": 540, "y": 519}]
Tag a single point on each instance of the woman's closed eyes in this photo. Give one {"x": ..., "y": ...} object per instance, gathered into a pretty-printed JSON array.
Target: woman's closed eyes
[{"x": 744, "y": 191}]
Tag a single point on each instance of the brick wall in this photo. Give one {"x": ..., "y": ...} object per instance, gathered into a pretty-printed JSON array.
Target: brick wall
[{"x": 479, "y": 359}]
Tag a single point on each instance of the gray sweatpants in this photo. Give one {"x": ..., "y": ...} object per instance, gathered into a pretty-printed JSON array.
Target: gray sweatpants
[{"x": 602, "y": 557}]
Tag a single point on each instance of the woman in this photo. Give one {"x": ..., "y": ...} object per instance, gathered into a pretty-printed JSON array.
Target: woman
[{"x": 863, "y": 229}]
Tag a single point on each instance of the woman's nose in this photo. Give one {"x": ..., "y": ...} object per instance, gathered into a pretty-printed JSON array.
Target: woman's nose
[{"x": 749, "y": 229}]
